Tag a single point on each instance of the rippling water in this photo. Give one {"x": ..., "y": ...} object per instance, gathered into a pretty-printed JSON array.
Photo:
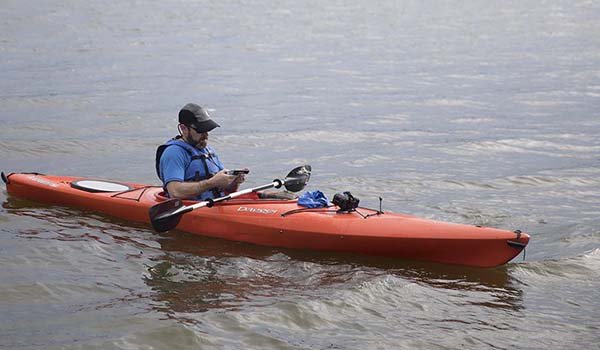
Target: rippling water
[{"x": 473, "y": 112}]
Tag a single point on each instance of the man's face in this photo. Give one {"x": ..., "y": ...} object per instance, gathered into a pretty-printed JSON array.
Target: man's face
[{"x": 200, "y": 139}]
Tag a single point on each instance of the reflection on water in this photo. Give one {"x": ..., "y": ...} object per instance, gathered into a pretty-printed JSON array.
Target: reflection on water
[{"x": 197, "y": 274}]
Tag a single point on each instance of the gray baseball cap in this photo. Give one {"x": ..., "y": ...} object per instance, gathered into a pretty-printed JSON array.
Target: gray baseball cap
[{"x": 196, "y": 117}]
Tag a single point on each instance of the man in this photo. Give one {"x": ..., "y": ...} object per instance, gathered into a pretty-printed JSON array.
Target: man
[{"x": 188, "y": 167}]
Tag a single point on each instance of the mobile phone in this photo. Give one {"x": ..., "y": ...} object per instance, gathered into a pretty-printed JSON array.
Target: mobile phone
[{"x": 238, "y": 171}]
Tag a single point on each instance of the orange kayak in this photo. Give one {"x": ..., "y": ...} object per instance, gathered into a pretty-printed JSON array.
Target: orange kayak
[{"x": 285, "y": 224}]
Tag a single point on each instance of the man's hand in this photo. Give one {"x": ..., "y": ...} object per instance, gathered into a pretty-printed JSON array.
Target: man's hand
[
  {"x": 239, "y": 179},
  {"x": 235, "y": 184},
  {"x": 222, "y": 179}
]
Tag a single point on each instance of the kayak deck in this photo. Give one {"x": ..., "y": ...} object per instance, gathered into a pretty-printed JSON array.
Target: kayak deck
[{"x": 282, "y": 223}]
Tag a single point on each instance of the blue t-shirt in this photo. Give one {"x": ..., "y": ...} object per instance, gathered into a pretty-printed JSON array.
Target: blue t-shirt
[{"x": 175, "y": 160}]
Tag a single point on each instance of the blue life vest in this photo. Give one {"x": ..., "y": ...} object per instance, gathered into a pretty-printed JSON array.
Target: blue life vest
[{"x": 204, "y": 164}]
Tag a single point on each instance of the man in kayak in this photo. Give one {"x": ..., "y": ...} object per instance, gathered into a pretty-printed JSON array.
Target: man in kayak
[{"x": 188, "y": 167}]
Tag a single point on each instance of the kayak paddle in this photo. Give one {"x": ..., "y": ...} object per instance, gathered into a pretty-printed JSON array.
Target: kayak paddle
[{"x": 166, "y": 215}]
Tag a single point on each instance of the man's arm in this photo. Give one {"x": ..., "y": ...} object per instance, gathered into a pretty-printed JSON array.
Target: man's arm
[{"x": 186, "y": 190}]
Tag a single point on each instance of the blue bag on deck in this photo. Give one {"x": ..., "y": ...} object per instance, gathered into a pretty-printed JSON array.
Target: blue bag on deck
[{"x": 313, "y": 199}]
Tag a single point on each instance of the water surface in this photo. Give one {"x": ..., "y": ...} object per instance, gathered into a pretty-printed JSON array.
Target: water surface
[{"x": 471, "y": 112}]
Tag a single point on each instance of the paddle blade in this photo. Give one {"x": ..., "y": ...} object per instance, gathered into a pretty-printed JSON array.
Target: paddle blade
[
  {"x": 297, "y": 178},
  {"x": 164, "y": 216}
]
